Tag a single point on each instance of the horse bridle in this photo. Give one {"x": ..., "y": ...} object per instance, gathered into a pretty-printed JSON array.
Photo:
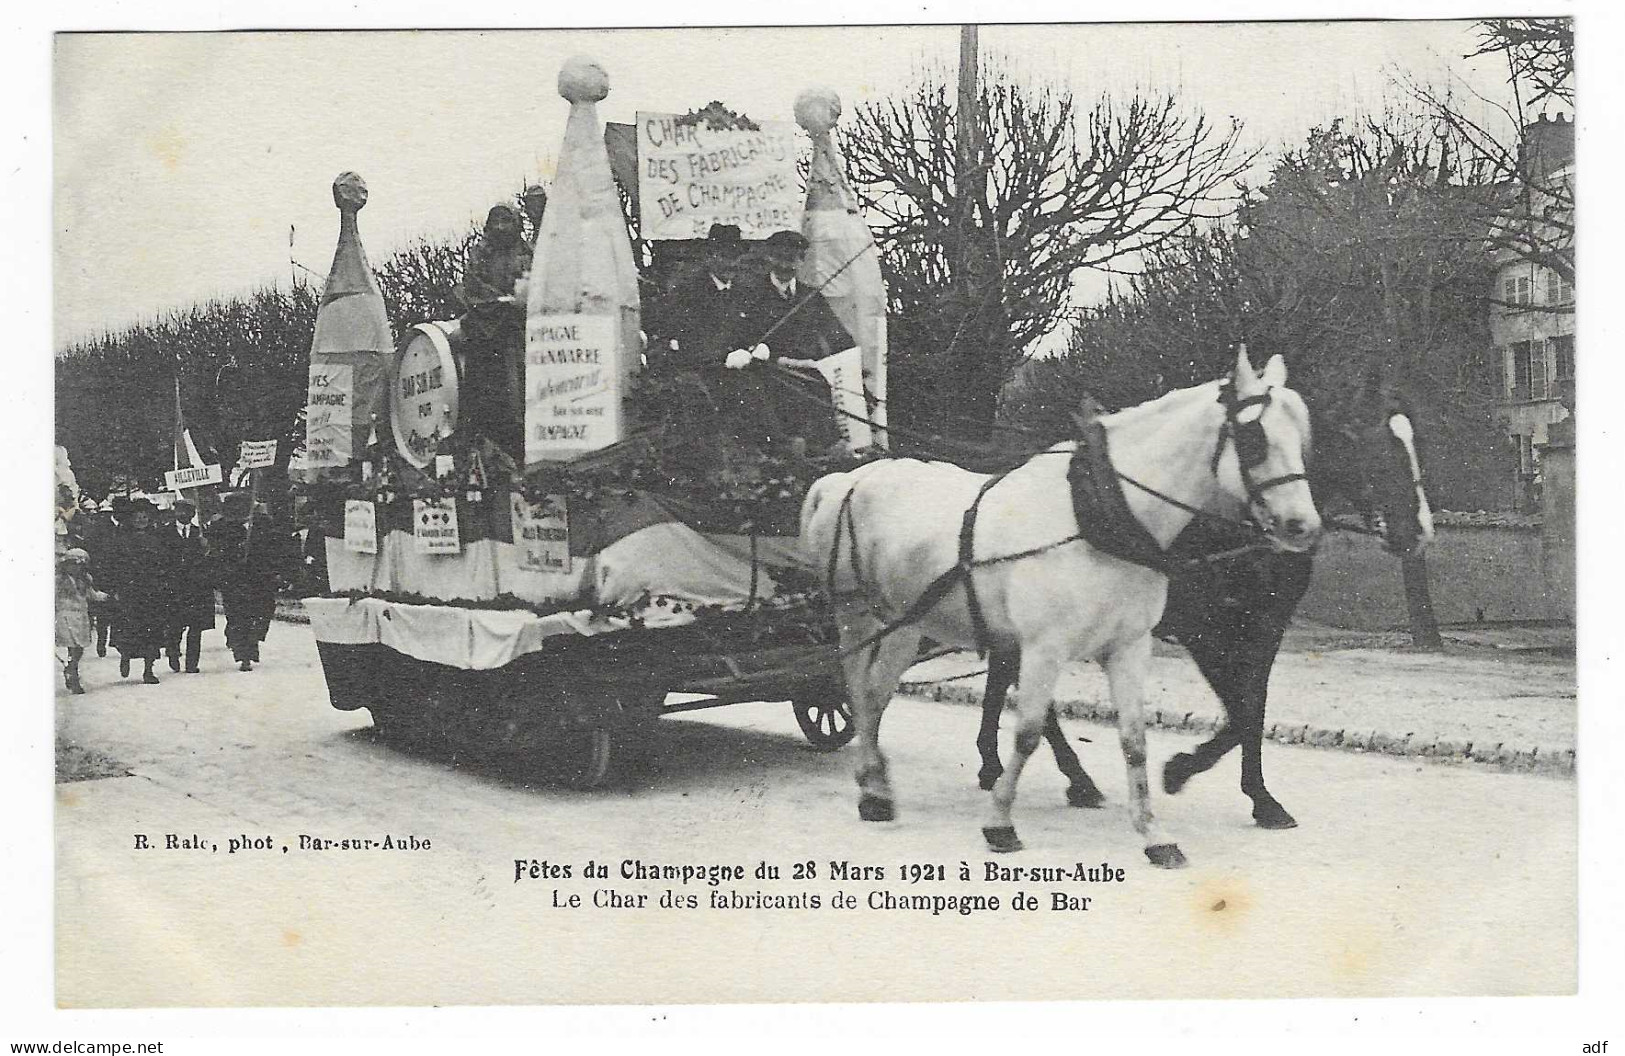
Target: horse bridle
[
  {"x": 1376, "y": 523},
  {"x": 1252, "y": 446}
]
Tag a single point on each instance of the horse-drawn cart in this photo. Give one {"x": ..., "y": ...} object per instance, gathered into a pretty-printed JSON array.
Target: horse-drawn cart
[
  {"x": 530, "y": 550},
  {"x": 574, "y": 709}
]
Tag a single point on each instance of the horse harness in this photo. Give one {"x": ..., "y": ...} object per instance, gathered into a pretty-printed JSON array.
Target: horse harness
[
  {"x": 1101, "y": 509},
  {"x": 1252, "y": 447}
]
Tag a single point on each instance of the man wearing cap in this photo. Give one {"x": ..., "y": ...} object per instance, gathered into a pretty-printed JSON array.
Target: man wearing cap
[
  {"x": 782, "y": 320},
  {"x": 191, "y": 589}
]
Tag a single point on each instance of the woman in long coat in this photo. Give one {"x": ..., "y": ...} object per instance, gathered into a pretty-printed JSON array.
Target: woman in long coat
[{"x": 143, "y": 582}]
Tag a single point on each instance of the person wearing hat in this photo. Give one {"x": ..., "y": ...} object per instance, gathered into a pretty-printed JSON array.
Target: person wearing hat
[
  {"x": 534, "y": 203},
  {"x": 75, "y": 591},
  {"x": 142, "y": 581},
  {"x": 101, "y": 539},
  {"x": 247, "y": 551},
  {"x": 493, "y": 331},
  {"x": 191, "y": 588},
  {"x": 784, "y": 321},
  {"x": 699, "y": 315},
  {"x": 498, "y": 259}
]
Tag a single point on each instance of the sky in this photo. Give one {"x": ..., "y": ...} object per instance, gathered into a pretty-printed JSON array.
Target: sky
[{"x": 181, "y": 160}]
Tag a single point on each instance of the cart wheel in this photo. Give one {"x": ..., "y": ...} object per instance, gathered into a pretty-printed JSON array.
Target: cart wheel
[
  {"x": 580, "y": 758},
  {"x": 825, "y": 717}
]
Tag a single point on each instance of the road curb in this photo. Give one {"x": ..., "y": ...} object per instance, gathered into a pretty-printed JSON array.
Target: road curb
[{"x": 1500, "y": 756}]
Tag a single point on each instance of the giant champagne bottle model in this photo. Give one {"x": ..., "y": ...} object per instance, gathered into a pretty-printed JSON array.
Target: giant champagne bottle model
[
  {"x": 350, "y": 352},
  {"x": 582, "y": 342},
  {"x": 842, "y": 258}
]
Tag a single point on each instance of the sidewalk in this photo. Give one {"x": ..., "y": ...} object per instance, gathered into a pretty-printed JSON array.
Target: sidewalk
[{"x": 1500, "y": 695}]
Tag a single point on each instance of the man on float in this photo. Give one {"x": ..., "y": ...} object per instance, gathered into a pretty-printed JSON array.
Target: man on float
[
  {"x": 703, "y": 312},
  {"x": 788, "y": 324}
]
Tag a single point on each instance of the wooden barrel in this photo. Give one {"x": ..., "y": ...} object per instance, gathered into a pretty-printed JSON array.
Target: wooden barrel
[{"x": 425, "y": 387}]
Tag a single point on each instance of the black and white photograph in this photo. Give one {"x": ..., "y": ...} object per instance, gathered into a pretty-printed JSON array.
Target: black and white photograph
[{"x": 962, "y": 512}]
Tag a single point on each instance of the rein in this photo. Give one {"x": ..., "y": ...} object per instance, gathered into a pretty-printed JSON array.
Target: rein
[{"x": 963, "y": 569}]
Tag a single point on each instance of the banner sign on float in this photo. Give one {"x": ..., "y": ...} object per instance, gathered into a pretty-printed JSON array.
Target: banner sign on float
[
  {"x": 256, "y": 454},
  {"x": 844, "y": 372},
  {"x": 192, "y": 477},
  {"x": 434, "y": 526},
  {"x": 328, "y": 439},
  {"x": 360, "y": 526},
  {"x": 541, "y": 531},
  {"x": 691, "y": 176},
  {"x": 572, "y": 386}
]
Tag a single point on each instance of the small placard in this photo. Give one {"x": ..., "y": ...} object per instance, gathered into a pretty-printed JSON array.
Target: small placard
[
  {"x": 541, "y": 531},
  {"x": 328, "y": 430},
  {"x": 444, "y": 466},
  {"x": 256, "y": 454},
  {"x": 844, "y": 372},
  {"x": 572, "y": 386},
  {"x": 360, "y": 526},
  {"x": 192, "y": 477},
  {"x": 434, "y": 526}
]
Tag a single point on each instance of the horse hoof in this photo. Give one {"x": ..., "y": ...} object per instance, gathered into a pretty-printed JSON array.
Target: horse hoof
[
  {"x": 1166, "y": 856},
  {"x": 1001, "y": 839},
  {"x": 873, "y": 808},
  {"x": 1273, "y": 816},
  {"x": 1175, "y": 772},
  {"x": 1084, "y": 796},
  {"x": 987, "y": 777}
]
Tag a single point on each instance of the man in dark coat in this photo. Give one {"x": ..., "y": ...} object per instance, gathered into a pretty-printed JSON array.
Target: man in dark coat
[
  {"x": 702, "y": 312},
  {"x": 191, "y": 588},
  {"x": 796, "y": 325},
  {"x": 101, "y": 541},
  {"x": 142, "y": 580},
  {"x": 247, "y": 554}
]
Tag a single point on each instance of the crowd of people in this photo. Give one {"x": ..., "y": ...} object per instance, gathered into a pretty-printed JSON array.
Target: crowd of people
[{"x": 141, "y": 581}]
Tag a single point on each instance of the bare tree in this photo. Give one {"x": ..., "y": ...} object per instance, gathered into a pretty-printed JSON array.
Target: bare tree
[
  {"x": 1055, "y": 191},
  {"x": 1539, "y": 53},
  {"x": 1532, "y": 219}
]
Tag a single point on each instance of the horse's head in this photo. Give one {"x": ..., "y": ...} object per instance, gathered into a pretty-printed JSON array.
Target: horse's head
[
  {"x": 1376, "y": 467},
  {"x": 1262, "y": 450}
]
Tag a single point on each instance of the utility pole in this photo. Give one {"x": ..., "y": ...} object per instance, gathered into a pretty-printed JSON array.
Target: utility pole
[{"x": 970, "y": 184}]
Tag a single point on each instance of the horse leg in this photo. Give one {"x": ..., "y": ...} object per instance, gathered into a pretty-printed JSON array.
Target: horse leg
[
  {"x": 1081, "y": 791},
  {"x": 872, "y": 674},
  {"x": 1040, "y": 667},
  {"x": 1218, "y": 657},
  {"x": 1002, "y": 665},
  {"x": 1126, "y": 671},
  {"x": 1267, "y": 810}
]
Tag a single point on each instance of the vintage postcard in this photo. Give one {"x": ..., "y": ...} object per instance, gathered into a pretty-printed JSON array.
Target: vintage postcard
[{"x": 504, "y": 478}]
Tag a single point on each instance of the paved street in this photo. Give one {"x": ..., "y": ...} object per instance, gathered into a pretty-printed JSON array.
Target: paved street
[{"x": 1406, "y": 876}]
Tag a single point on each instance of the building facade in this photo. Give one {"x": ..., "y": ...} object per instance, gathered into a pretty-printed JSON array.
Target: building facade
[{"x": 1532, "y": 305}]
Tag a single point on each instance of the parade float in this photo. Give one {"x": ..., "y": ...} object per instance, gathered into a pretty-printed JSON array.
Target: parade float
[{"x": 533, "y": 536}]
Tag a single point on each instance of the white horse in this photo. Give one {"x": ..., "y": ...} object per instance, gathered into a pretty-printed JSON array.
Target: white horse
[{"x": 891, "y": 534}]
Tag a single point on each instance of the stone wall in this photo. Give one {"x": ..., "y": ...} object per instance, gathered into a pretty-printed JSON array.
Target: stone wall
[{"x": 1481, "y": 567}]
